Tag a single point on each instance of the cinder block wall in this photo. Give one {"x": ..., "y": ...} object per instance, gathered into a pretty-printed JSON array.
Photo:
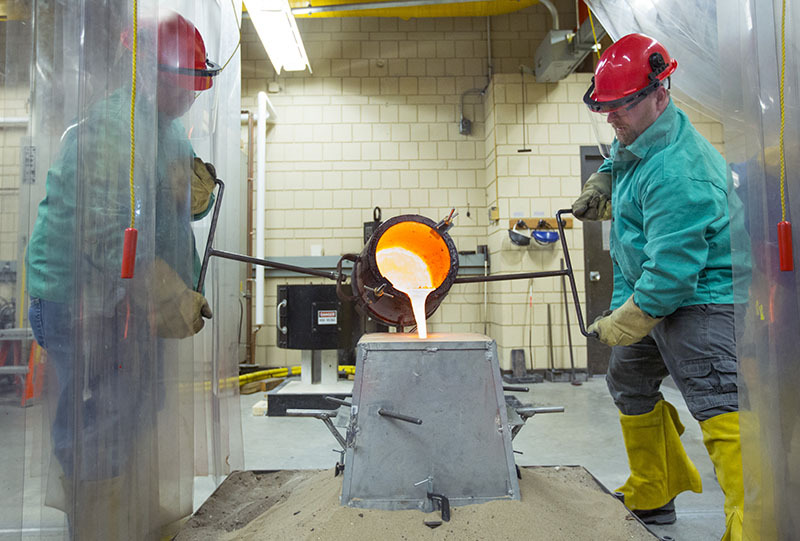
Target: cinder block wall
[
  {"x": 13, "y": 105},
  {"x": 376, "y": 124},
  {"x": 554, "y": 125}
]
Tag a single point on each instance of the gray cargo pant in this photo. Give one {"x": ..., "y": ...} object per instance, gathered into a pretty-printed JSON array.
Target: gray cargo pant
[{"x": 696, "y": 345}]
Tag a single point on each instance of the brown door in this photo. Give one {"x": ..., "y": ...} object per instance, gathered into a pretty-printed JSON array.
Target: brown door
[{"x": 599, "y": 277}]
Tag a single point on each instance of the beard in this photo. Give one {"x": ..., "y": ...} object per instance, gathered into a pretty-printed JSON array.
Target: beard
[{"x": 625, "y": 135}]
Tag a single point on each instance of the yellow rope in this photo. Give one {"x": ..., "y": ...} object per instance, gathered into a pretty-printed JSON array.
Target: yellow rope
[
  {"x": 783, "y": 113},
  {"x": 133, "y": 109},
  {"x": 594, "y": 35},
  {"x": 239, "y": 26}
]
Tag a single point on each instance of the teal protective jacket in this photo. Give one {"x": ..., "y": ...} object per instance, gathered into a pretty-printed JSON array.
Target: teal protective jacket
[
  {"x": 81, "y": 221},
  {"x": 670, "y": 230}
]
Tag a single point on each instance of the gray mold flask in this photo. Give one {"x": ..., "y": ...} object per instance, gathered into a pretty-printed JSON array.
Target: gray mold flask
[{"x": 428, "y": 421}]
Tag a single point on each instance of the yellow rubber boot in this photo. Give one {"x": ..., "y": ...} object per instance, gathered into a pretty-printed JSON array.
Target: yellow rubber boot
[
  {"x": 660, "y": 468},
  {"x": 721, "y": 436}
]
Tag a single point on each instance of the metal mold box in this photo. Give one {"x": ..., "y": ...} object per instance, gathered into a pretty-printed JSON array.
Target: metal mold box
[{"x": 462, "y": 449}]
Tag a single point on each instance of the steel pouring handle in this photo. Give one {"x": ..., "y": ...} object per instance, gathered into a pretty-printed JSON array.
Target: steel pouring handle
[
  {"x": 571, "y": 275},
  {"x": 211, "y": 232},
  {"x": 341, "y": 276}
]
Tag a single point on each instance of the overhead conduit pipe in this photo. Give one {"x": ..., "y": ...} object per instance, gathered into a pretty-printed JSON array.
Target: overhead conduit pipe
[{"x": 407, "y": 9}]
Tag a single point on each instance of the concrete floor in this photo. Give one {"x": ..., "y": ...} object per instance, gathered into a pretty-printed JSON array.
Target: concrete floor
[{"x": 586, "y": 434}]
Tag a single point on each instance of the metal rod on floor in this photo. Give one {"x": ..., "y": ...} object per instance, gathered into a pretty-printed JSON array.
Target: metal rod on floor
[{"x": 338, "y": 401}]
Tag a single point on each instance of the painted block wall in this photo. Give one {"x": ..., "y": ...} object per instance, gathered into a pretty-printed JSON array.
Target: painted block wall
[
  {"x": 376, "y": 124},
  {"x": 13, "y": 105}
]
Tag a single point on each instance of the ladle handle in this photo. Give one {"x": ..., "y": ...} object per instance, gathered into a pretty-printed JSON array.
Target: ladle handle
[
  {"x": 341, "y": 277},
  {"x": 211, "y": 231},
  {"x": 571, "y": 275}
]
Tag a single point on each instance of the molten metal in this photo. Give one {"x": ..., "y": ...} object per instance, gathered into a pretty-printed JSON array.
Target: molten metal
[
  {"x": 408, "y": 257},
  {"x": 408, "y": 273}
]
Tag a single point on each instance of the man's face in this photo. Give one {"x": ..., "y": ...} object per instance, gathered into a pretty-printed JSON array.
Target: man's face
[
  {"x": 629, "y": 123},
  {"x": 173, "y": 100}
]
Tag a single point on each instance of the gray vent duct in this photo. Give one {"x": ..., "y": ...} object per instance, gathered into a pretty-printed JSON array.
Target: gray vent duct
[{"x": 561, "y": 51}]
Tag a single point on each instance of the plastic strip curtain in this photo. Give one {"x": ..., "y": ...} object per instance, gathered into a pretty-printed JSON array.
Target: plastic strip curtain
[
  {"x": 730, "y": 57},
  {"x": 687, "y": 29},
  {"x": 214, "y": 128},
  {"x": 15, "y": 467},
  {"x": 769, "y": 373},
  {"x": 132, "y": 406}
]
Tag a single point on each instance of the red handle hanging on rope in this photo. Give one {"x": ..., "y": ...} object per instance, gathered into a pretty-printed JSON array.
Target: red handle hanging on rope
[
  {"x": 129, "y": 252},
  {"x": 785, "y": 245}
]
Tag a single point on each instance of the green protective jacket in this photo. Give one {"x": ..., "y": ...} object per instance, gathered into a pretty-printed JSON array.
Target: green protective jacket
[
  {"x": 81, "y": 221},
  {"x": 670, "y": 229}
]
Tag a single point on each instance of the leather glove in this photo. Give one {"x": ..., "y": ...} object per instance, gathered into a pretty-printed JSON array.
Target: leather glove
[
  {"x": 594, "y": 203},
  {"x": 179, "y": 310},
  {"x": 626, "y": 325},
  {"x": 203, "y": 177}
]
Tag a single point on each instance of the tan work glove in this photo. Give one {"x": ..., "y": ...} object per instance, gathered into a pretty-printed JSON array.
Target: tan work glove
[
  {"x": 179, "y": 310},
  {"x": 594, "y": 203},
  {"x": 626, "y": 325},
  {"x": 203, "y": 177}
]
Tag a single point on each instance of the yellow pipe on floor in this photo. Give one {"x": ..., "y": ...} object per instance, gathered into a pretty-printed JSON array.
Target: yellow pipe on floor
[
  {"x": 284, "y": 372},
  {"x": 271, "y": 373}
]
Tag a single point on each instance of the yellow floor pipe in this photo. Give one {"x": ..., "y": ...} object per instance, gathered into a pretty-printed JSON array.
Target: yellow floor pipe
[{"x": 284, "y": 372}]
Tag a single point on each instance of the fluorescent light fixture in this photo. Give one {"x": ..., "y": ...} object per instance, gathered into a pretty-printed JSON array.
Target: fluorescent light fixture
[{"x": 278, "y": 32}]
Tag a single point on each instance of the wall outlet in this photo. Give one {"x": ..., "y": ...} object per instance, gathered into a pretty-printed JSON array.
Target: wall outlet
[
  {"x": 494, "y": 214},
  {"x": 273, "y": 87}
]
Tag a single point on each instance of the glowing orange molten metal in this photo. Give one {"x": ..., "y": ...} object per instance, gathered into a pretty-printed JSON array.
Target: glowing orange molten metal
[{"x": 415, "y": 259}]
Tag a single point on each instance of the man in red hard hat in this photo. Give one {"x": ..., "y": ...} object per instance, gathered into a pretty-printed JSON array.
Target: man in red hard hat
[
  {"x": 100, "y": 331},
  {"x": 664, "y": 187}
]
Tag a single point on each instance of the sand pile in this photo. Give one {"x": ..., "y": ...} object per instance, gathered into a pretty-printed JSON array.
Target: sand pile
[{"x": 558, "y": 503}]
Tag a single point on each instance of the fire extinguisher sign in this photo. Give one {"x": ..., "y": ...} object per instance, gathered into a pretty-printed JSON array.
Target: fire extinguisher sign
[{"x": 326, "y": 317}]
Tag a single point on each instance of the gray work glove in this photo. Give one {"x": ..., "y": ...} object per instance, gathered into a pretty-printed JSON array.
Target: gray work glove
[
  {"x": 179, "y": 310},
  {"x": 594, "y": 203},
  {"x": 626, "y": 325}
]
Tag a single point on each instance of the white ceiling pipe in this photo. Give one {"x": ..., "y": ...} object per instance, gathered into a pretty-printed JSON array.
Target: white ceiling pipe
[{"x": 272, "y": 115}]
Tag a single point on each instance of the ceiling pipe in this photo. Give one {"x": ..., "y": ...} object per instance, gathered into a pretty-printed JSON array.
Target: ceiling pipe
[
  {"x": 553, "y": 12},
  {"x": 376, "y": 5}
]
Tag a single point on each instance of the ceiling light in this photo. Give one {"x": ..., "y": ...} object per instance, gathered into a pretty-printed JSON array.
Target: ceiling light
[{"x": 278, "y": 32}]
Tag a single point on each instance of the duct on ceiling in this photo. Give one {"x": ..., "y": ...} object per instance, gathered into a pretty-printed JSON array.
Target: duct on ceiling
[{"x": 405, "y": 9}]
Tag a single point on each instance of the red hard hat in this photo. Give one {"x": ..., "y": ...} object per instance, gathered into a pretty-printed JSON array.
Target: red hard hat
[
  {"x": 181, "y": 52},
  {"x": 629, "y": 70}
]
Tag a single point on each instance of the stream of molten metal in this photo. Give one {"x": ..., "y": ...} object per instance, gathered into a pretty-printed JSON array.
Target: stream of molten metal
[{"x": 410, "y": 274}]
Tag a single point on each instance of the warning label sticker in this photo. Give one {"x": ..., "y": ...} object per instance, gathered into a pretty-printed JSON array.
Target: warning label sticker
[{"x": 326, "y": 317}]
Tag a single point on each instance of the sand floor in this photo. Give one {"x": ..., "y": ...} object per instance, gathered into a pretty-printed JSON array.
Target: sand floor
[{"x": 558, "y": 503}]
